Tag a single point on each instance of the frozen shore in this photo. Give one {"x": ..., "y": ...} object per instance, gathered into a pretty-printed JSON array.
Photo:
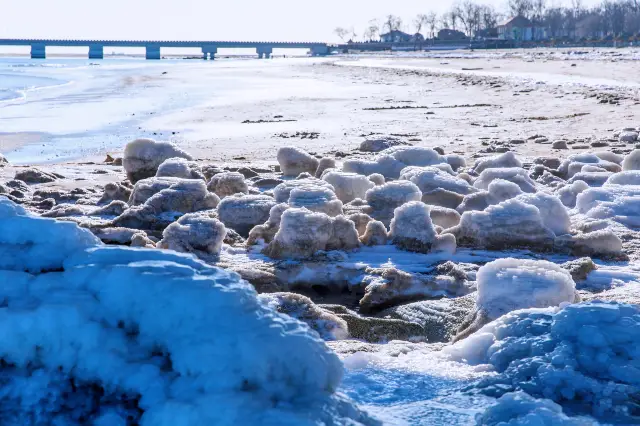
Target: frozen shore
[{"x": 314, "y": 219}]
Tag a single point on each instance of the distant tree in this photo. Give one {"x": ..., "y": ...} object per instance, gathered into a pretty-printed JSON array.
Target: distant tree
[
  {"x": 420, "y": 21},
  {"x": 392, "y": 23},
  {"x": 373, "y": 30},
  {"x": 520, "y": 8},
  {"x": 432, "y": 22},
  {"x": 444, "y": 20},
  {"x": 488, "y": 16},
  {"x": 468, "y": 13},
  {"x": 341, "y": 32},
  {"x": 352, "y": 31}
]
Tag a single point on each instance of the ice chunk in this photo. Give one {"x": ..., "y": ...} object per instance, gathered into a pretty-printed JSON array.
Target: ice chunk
[
  {"x": 227, "y": 183},
  {"x": 630, "y": 177},
  {"x": 321, "y": 200},
  {"x": 283, "y": 190},
  {"x": 194, "y": 233},
  {"x": 294, "y": 161},
  {"x": 516, "y": 175},
  {"x": 568, "y": 194},
  {"x": 412, "y": 229},
  {"x": 632, "y": 161},
  {"x": 506, "y": 160},
  {"x": 243, "y": 212},
  {"x": 431, "y": 178},
  {"x": 143, "y": 156},
  {"x": 180, "y": 168},
  {"x": 348, "y": 186}
]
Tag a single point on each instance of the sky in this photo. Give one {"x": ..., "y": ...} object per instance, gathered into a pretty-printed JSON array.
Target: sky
[{"x": 243, "y": 20}]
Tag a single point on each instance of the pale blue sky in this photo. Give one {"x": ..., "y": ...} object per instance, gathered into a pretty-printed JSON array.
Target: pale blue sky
[{"x": 210, "y": 20}]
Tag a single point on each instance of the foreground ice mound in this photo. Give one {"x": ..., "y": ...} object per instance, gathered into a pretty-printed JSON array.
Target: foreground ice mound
[
  {"x": 180, "y": 168},
  {"x": 124, "y": 336},
  {"x": 520, "y": 409},
  {"x": 143, "y": 156},
  {"x": 227, "y": 183},
  {"x": 321, "y": 200},
  {"x": 194, "y": 233},
  {"x": 390, "y": 162},
  {"x": 584, "y": 357},
  {"x": 302, "y": 233},
  {"x": 412, "y": 230},
  {"x": 348, "y": 186},
  {"x": 243, "y": 212},
  {"x": 294, "y": 161},
  {"x": 631, "y": 161},
  {"x": 282, "y": 192},
  {"x": 431, "y": 178},
  {"x": 506, "y": 160},
  {"x": 620, "y": 203},
  {"x": 516, "y": 175}
]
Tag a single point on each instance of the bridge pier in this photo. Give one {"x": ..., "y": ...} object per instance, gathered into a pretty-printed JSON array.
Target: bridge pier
[
  {"x": 96, "y": 51},
  {"x": 320, "y": 50},
  {"x": 209, "y": 50},
  {"x": 152, "y": 52},
  {"x": 264, "y": 52},
  {"x": 38, "y": 51}
]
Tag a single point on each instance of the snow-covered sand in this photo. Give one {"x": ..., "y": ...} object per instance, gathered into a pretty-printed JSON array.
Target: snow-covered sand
[{"x": 400, "y": 297}]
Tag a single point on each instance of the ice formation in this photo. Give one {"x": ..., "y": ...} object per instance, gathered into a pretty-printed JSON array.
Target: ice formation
[
  {"x": 506, "y": 160},
  {"x": 116, "y": 336},
  {"x": 267, "y": 231},
  {"x": 390, "y": 162},
  {"x": 143, "y": 156},
  {"x": 375, "y": 234},
  {"x": 516, "y": 175},
  {"x": 444, "y": 217},
  {"x": 632, "y": 161},
  {"x": 384, "y": 199},
  {"x": 283, "y": 190},
  {"x": 620, "y": 203},
  {"x": 348, "y": 186},
  {"x": 194, "y": 233},
  {"x": 227, "y": 183},
  {"x": 412, "y": 229},
  {"x": 553, "y": 213},
  {"x": 583, "y": 356},
  {"x": 180, "y": 168},
  {"x": 243, "y": 212},
  {"x": 302, "y": 233},
  {"x": 294, "y": 161},
  {"x": 432, "y": 178},
  {"x": 321, "y": 200},
  {"x": 325, "y": 164},
  {"x": 574, "y": 164},
  {"x": 630, "y": 177},
  {"x": 568, "y": 194},
  {"x": 377, "y": 179},
  {"x": 360, "y": 220}
]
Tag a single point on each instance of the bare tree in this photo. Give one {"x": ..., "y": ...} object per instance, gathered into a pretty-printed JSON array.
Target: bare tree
[
  {"x": 341, "y": 32},
  {"x": 444, "y": 20},
  {"x": 432, "y": 21},
  {"x": 468, "y": 13},
  {"x": 420, "y": 22},
  {"x": 372, "y": 30},
  {"x": 392, "y": 23},
  {"x": 352, "y": 31},
  {"x": 520, "y": 7}
]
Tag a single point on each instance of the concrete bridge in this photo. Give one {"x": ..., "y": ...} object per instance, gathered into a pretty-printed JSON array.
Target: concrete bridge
[{"x": 209, "y": 49}]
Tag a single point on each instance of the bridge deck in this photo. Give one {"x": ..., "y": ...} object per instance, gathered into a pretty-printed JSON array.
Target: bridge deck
[{"x": 161, "y": 43}]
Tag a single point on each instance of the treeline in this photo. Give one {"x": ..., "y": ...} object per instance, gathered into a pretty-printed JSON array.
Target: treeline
[{"x": 612, "y": 18}]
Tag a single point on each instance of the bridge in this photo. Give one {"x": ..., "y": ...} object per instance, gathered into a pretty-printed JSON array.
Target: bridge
[{"x": 209, "y": 49}]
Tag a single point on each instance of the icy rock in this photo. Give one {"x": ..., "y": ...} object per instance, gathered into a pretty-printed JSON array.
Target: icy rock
[
  {"x": 519, "y": 408},
  {"x": 602, "y": 242},
  {"x": 620, "y": 203},
  {"x": 377, "y": 145},
  {"x": 320, "y": 200},
  {"x": 412, "y": 229},
  {"x": 210, "y": 170},
  {"x": 328, "y": 325},
  {"x": 194, "y": 233},
  {"x": 33, "y": 175},
  {"x": 115, "y": 192},
  {"x": 377, "y": 330},
  {"x": 3, "y": 161},
  {"x": 442, "y": 198},
  {"x": 631, "y": 161},
  {"x": 516, "y": 175},
  {"x": 510, "y": 224},
  {"x": 268, "y": 230},
  {"x": 283, "y": 190},
  {"x": 360, "y": 220},
  {"x": 580, "y": 268},
  {"x": 415, "y": 155},
  {"x": 180, "y": 168},
  {"x": 146, "y": 188},
  {"x": 375, "y": 234},
  {"x": 348, "y": 186},
  {"x": 390, "y": 162},
  {"x": 549, "y": 162},
  {"x": 628, "y": 136},
  {"x": 553, "y": 213},
  {"x": 444, "y": 217},
  {"x": 593, "y": 179},
  {"x": 455, "y": 161},
  {"x": 140, "y": 239},
  {"x": 114, "y": 208},
  {"x": 325, "y": 164},
  {"x": 128, "y": 333},
  {"x": 568, "y": 194},
  {"x": 243, "y": 212},
  {"x": 507, "y": 285},
  {"x": 506, "y": 160},
  {"x": 294, "y": 161},
  {"x": 384, "y": 199},
  {"x": 142, "y": 157},
  {"x": 580, "y": 356},
  {"x": 377, "y": 179},
  {"x": 574, "y": 163},
  {"x": 559, "y": 145},
  {"x": 394, "y": 287},
  {"x": 302, "y": 233},
  {"x": 428, "y": 179},
  {"x": 631, "y": 177},
  {"x": 64, "y": 210},
  {"x": 609, "y": 156},
  {"x": 227, "y": 183},
  {"x": 440, "y": 318},
  {"x": 499, "y": 190}
]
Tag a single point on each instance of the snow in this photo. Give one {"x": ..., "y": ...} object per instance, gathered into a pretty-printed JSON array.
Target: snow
[
  {"x": 294, "y": 161},
  {"x": 107, "y": 336},
  {"x": 509, "y": 284},
  {"x": 392, "y": 195},
  {"x": 143, "y": 156},
  {"x": 630, "y": 177},
  {"x": 242, "y": 212},
  {"x": 375, "y": 234},
  {"x": 194, "y": 233},
  {"x": 324, "y": 165},
  {"x": 348, "y": 186},
  {"x": 568, "y": 194},
  {"x": 553, "y": 213},
  {"x": 620, "y": 203},
  {"x": 391, "y": 161},
  {"x": 283, "y": 190},
  {"x": 412, "y": 229},
  {"x": 574, "y": 164},
  {"x": 583, "y": 356}
]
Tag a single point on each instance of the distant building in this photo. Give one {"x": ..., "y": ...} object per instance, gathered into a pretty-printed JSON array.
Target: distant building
[
  {"x": 589, "y": 27},
  {"x": 517, "y": 28},
  {"x": 395, "y": 37},
  {"x": 487, "y": 33},
  {"x": 417, "y": 38},
  {"x": 448, "y": 34}
]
